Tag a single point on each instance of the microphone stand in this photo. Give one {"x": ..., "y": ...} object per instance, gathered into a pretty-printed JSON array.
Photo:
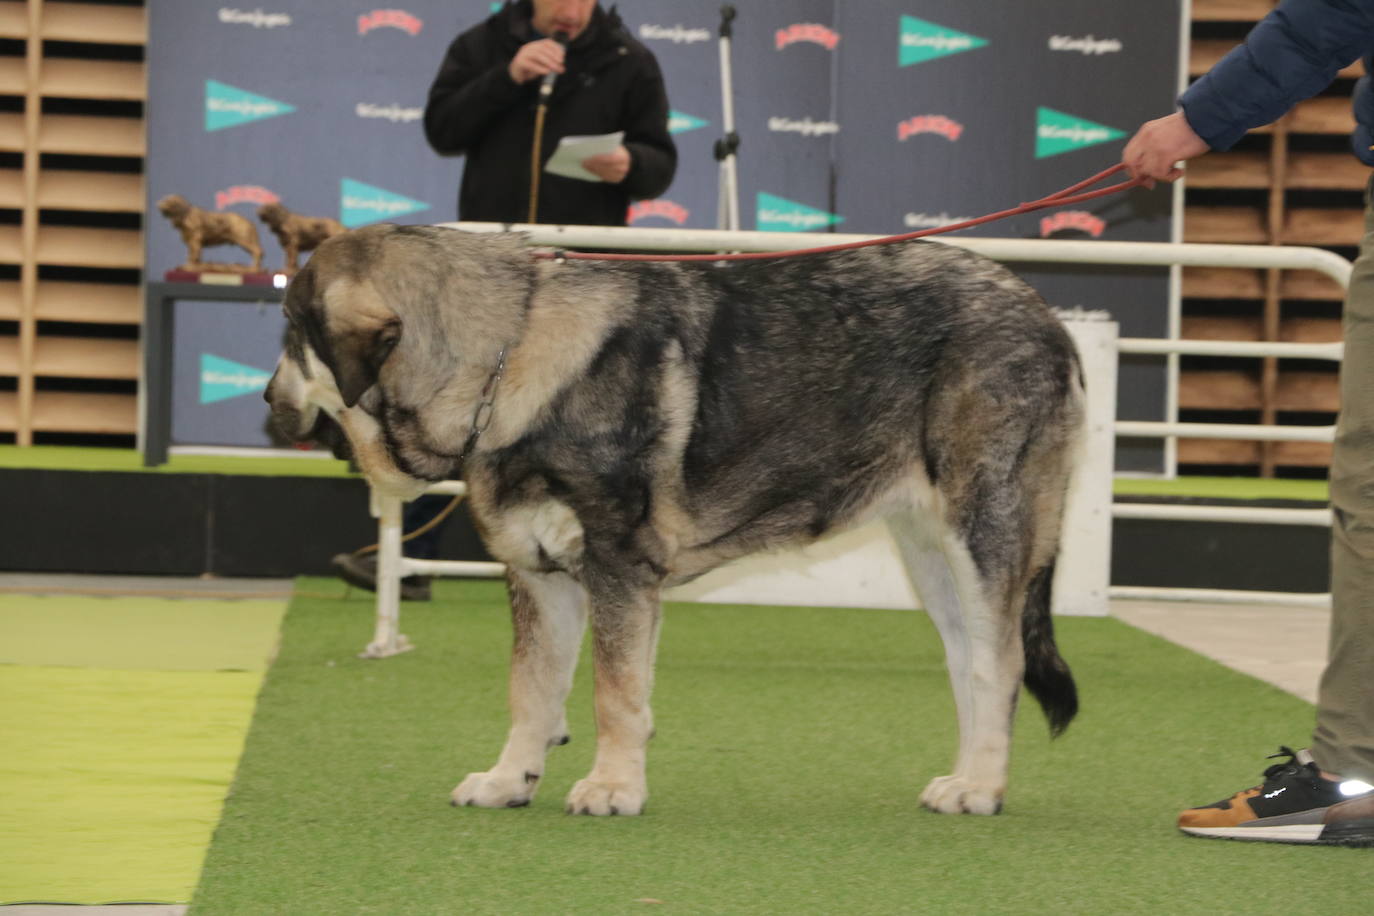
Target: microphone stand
[
  {"x": 536, "y": 148},
  {"x": 727, "y": 203}
]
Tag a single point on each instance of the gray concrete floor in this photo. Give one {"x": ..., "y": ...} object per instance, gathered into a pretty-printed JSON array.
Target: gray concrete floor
[
  {"x": 155, "y": 586},
  {"x": 1285, "y": 646}
]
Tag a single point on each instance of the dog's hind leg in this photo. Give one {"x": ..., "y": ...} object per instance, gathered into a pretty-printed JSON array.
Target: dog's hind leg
[
  {"x": 549, "y": 612},
  {"x": 625, "y": 640},
  {"x": 981, "y": 635}
]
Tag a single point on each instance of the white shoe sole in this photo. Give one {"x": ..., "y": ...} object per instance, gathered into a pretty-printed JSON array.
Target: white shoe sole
[{"x": 1284, "y": 833}]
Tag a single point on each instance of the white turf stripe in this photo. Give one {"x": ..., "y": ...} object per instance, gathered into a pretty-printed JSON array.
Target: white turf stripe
[{"x": 1288, "y": 833}]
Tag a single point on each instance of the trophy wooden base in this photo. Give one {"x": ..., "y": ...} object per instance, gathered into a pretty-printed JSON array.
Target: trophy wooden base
[{"x": 211, "y": 276}]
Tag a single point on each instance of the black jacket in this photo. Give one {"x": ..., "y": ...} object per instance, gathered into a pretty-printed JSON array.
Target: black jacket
[{"x": 612, "y": 82}]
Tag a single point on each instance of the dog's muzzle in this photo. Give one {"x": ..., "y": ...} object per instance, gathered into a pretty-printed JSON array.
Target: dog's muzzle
[{"x": 303, "y": 425}]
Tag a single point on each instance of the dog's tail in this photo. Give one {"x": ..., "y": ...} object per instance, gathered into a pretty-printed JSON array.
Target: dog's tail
[{"x": 1047, "y": 674}]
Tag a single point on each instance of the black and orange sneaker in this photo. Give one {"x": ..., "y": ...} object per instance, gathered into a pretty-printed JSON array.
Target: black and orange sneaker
[{"x": 1291, "y": 806}]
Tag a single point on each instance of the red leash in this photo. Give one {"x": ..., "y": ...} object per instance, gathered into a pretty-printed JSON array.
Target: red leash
[{"x": 1070, "y": 195}]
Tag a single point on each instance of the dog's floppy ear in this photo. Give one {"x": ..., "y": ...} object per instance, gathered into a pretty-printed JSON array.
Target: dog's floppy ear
[
  {"x": 348, "y": 326},
  {"x": 300, "y": 294},
  {"x": 347, "y": 321},
  {"x": 358, "y": 349}
]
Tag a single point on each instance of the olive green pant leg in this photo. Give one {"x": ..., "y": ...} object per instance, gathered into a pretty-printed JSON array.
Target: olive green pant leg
[{"x": 1343, "y": 741}]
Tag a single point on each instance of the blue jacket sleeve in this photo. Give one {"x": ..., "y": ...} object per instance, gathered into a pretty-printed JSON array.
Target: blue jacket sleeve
[{"x": 1292, "y": 54}]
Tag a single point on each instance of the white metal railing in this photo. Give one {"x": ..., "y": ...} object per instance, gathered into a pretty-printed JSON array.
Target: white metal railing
[{"x": 392, "y": 566}]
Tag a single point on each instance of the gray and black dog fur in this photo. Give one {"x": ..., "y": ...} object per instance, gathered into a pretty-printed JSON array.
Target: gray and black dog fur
[{"x": 655, "y": 420}]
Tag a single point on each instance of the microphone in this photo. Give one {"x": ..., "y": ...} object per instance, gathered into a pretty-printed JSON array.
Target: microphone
[{"x": 546, "y": 87}]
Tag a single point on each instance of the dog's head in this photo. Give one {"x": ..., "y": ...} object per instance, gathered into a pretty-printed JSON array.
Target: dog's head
[
  {"x": 340, "y": 317},
  {"x": 382, "y": 319},
  {"x": 273, "y": 214},
  {"x": 173, "y": 206},
  {"x": 401, "y": 307}
]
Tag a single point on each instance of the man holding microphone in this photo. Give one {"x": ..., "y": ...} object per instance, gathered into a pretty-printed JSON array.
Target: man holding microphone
[{"x": 484, "y": 101}]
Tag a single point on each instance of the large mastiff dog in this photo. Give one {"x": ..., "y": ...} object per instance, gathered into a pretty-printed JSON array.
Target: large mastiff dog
[{"x": 624, "y": 427}]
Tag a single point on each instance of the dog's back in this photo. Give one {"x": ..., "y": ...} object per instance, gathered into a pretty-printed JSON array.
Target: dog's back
[{"x": 846, "y": 370}]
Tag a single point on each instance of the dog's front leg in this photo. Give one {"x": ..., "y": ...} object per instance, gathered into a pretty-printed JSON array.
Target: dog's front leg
[
  {"x": 549, "y": 613},
  {"x": 625, "y": 634}
]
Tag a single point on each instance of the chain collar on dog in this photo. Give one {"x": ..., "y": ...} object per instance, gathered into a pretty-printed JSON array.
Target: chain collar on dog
[{"x": 486, "y": 407}]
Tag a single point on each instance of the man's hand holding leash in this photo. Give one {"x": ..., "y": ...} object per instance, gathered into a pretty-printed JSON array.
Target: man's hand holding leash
[{"x": 1155, "y": 149}]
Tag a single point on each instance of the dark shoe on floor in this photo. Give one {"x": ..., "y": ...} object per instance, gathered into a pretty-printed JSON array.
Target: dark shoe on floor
[
  {"x": 361, "y": 572},
  {"x": 1295, "y": 804}
]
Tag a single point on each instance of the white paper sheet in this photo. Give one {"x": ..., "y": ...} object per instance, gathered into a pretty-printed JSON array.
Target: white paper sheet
[{"x": 567, "y": 159}]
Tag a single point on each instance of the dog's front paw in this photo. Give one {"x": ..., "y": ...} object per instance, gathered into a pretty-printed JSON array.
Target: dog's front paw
[
  {"x": 399, "y": 486},
  {"x": 603, "y": 798},
  {"x": 495, "y": 790},
  {"x": 956, "y": 795}
]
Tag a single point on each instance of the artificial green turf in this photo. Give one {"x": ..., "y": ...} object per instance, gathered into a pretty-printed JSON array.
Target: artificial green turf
[
  {"x": 121, "y": 723},
  {"x": 156, "y": 634},
  {"x": 70, "y": 458},
  {"x": 792, "y": 747},
  {"x": 1223, "y": 488}
]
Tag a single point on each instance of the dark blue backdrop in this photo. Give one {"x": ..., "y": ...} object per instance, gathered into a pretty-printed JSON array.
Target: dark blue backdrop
[{"x": 881, "y": 116}]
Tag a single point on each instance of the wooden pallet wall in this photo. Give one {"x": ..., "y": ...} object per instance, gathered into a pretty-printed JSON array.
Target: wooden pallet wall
[
  {"x": 71, "y": 199},
  {"x": 1294, "y": 182}
]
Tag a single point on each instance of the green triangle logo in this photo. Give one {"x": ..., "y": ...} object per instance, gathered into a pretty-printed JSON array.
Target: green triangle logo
[
  {"x": 778, "y": 214},
  {"x": 360, "y": 204},
  {"x": 230, "y": 106},
  {"x": 681, "y": 122},
  {"x": 1056, "y": 132},
  {"x": 222, "y": 379},
  {"x": 921, "y": 41}
]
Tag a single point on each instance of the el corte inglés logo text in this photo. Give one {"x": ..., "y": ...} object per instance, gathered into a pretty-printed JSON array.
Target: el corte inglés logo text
[
  {"x": 1081, "y": 220},
  {"x": 256, "y": 18},
  {"x": 393, "y": 19},
  {"x": 393, "y": 112},
  {"x": 930, "y": 124},
  {"x": 222, "y": 379},
  {"x": 666, "y": 209},
  {"x": 797, "y": 219},
  {"x": 245, "y": 381},
  {"x": 794, "y": 219},
  {"x": 361, "y": 203},
  {"x": 1057, "y": 132},
  {"x": 677, "y": 34},
  {"x": 944, "y": 43},
  {"x": 920, "y": 41},
  {"x": 248, "y": 108},
  {"x": 806, "y": 127},
  {"x": 230, "y": 106},
  {"x": 244, "y": 194},
  {"x": 681, "y": 122},
  {"x": 384, "y": 206},
  {"x": 1087, "y": 44},
  {"x": 813, "y": 32},
  {"x": 1079, "y": 134},
  {"x": 931, "y": 220},
  {"x": 778, "y": 214}
]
